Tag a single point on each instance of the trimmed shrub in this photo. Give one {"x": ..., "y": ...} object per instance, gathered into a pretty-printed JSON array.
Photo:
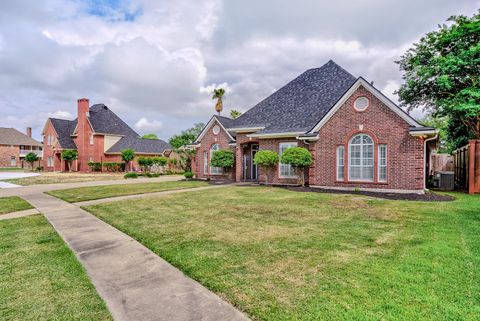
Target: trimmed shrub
[
  {"x": 128, "y": 155},
  {"x": 299, "y": 158},
  {"x": 159, "y": 160},
  {"x": 266, "y": 159},
  {"x": 69, "y": 155},
  {"x": 223, "y": 158},
  {"x": 95, "y": 166},
  {"x": 113, "y": 166},
  {"x": 188, "y": 175},
  {"x": 131, "y": 175},
  {"x": 145, "y": 163}
]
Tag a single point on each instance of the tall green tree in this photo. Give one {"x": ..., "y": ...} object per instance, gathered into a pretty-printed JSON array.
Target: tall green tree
[
  {"x": 69, "y": 155},
  {"x": 441, "y": 74},
  {"x": 218, "y": 95},
  {"x": 234, "y": 114},
  {"x": 31, "y": 158},
  {"x": 150, "y": 136},
  {"x": 186, "y": 136}
]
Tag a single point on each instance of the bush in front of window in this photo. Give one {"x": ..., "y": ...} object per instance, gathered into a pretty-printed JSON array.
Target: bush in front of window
[
  {"x": 223, "y": 158},
  {"x": 266, "y": 159},
  {"x": 299, "y": 158},
  {"x": 95, "y": 166},
  {"x": 69, "y": 155},
  {"x": 188, "y": 175}
]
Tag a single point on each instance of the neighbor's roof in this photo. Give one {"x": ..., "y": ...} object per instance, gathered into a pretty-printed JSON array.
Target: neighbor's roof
[
  {"x": 300, "y": 104},
  {"x": 11, "y": 136},
  {"x": 64, "y": 129},
  {"x": 140, "y": 145},
  {"x": 105, "y": 121}
]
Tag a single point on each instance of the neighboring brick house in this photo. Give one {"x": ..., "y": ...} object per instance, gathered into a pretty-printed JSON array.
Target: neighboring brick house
[
  {"x": 97, "y": 134},
  {"x": 15, "y": 145},
  {"x": 357, "y": 136}
]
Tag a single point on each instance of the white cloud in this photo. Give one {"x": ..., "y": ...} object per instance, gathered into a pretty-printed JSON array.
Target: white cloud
[
  {"x": 62, "y": 114},
  {"x": 144, "y": 125}
]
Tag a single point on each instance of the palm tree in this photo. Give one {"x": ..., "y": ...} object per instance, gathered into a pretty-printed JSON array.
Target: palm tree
[{"x": 218, "y": 94}]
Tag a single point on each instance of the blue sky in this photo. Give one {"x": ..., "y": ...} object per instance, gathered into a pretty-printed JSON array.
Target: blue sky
[{"x": 155, "y": 62}]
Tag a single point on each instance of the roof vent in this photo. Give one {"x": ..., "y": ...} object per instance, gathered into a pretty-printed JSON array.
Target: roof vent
[{"x": 105, "y": 107}]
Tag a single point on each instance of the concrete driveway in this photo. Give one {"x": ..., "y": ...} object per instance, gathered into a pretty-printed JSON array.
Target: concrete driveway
[{"x": 10, "y": 175}]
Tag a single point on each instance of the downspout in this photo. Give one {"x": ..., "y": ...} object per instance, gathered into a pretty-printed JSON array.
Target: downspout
[{"x": 425, "y": 158}]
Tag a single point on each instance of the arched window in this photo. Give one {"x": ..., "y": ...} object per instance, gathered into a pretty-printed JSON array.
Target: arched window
[
  {"x": 360, "y": 158},
  {"x": 214, "y": 170}
]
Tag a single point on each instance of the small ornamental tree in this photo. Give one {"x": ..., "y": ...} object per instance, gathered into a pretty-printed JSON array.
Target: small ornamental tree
[
  {"x": 223, "y": 158},
  {"x": 266, "y": 159},
  {"x": 69, "y": 156},
  {"x": 128, "y": 155},
  {"x": 299, "y": 158},
  {"x": 31, "y": 158}
]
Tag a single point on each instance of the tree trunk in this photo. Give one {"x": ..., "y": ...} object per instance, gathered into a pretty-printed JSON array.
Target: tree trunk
[{"x": 301, "y": 176}]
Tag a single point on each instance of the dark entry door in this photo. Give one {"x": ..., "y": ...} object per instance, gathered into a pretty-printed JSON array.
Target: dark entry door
[{"x": 254, "y": 167}]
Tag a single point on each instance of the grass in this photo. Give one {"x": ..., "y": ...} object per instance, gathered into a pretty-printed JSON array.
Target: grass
[
  {"x": 55, "y": 178},
  {"x": 13, "y": 204},
  {"x": 81, "y": 194},
  {"x": 283, "y": 255},
  {"x": 40, "y": 279},
  {"x": 14, "y": 169}
]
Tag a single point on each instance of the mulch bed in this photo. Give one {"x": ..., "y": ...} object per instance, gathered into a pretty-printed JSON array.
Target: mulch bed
[{"x": 427, "y": 197}]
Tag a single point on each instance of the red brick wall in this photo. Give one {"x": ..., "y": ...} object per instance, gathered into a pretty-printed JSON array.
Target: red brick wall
[
  {"x": 404, "y": 152},
  {"x": 207, "y": 141},
  {"x": 48, "y": 150},
  {"x": 6, "y": 152}
]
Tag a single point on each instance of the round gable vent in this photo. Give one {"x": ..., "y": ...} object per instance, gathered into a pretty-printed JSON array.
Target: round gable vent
[
  {"x": 361, "y": 103},
  {"x": 216, "y": 130}
]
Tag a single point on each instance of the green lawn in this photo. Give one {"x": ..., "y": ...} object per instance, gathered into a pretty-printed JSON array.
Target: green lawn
[
  {"x": 283, "y": 255},
  {"x": 40, "y": 279},
  {"x": 81, "y": 194},
  {"x": 13, "y": 169},
  {"x": 13, "y": 204}
]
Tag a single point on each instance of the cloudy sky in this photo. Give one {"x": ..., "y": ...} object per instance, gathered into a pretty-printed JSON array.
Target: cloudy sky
[{"x": 156, "y": 62}]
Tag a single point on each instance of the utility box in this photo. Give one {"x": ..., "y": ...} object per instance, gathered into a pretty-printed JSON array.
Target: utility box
[{"x": 444, "y": 180}]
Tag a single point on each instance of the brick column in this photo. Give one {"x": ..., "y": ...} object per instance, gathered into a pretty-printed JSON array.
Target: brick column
[{"x": 238, "y": 162}]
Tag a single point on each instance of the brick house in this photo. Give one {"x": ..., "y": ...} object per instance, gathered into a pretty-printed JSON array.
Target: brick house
[
  {"x": 357, "y": 136},
  {"x": 98, "y": 135},
  {"x": 15, "y": 145}
]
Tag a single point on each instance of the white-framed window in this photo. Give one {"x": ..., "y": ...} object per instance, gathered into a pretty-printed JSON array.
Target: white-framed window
[
  {"x": 340, "y": 163},
  {"x": 285, "y": 170},
  {"x": 205, "y": 162},
  {"x": 49, "y": 140},
  {"x": 13, "y": 161},
  {"x": 360, "y": 158},
  {"x": 91, "y": 139},
  {"x": 50, "y": 161},
  {"x": 361, "y": 103},
  {"x": 214, "y": 170},
  {"x": 382, "y": 163}
]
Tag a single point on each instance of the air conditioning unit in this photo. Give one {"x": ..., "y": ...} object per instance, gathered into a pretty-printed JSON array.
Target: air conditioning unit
[{"x": 445, "y": 180}]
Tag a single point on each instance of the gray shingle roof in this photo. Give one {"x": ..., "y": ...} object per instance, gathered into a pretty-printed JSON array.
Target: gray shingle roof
[
  {"x": 64, "y": 129},
  {"x": 11, "y": 136},
  {"x": 104, "y": 121},
  {"x": 300, "y": 104},
  {"x": 140, "y": 145}
]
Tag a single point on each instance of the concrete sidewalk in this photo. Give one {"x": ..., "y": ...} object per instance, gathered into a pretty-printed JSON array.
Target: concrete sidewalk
[
  {"x": 18, "y": 214},
  {"x": 135, "y": 283}
]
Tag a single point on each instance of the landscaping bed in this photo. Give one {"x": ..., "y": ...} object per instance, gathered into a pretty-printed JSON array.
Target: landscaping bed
[
  {"x": 81, "y": 194},
  {"x": 427, "y": 197},
  {"x": 13, "y": 204},
  {"x": 40, "y": 278},
  {"x": 282, "y": 255}
]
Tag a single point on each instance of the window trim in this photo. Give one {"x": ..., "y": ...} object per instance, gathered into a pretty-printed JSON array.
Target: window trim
[
  {"x": 355, "y": 104},
  {"x": 293, "y": 144},
  {"x": 205, "y": 162},
  {"x": 337, "y": 176},
  {"x": 379, "y": 166},
  {"x": 91, "y": 139},
  {"x": 362, "y": 179}
]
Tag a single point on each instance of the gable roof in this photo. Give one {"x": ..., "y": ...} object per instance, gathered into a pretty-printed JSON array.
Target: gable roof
[
  {"x": 297, "y": 106},
  {"x": 104, "y": 121},
  {"x": 11, "y": 136},
  {"x": 64, "y": 129},
  {"x": 140, "y": 145},
  {"x": 223, "y": 121}
]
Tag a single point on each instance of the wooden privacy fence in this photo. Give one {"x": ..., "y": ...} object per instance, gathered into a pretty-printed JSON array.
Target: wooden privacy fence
[{"x": 467, "y": 167}]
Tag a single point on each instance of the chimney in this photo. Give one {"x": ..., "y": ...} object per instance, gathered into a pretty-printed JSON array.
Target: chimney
[
  {"x": 83, "y": 108},
  {"x": 29, "y": 132}
]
